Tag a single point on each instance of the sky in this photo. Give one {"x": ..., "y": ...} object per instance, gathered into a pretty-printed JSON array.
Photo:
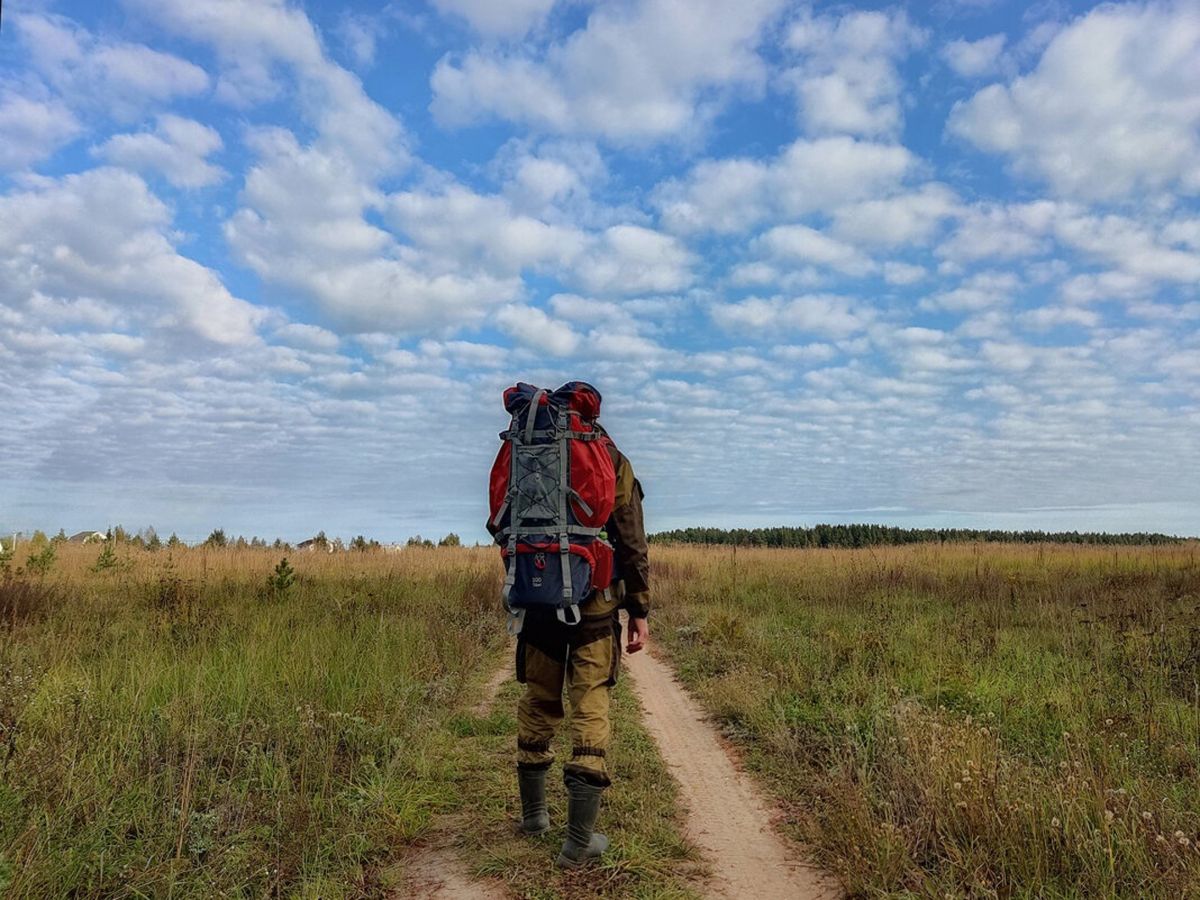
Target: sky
[{"x": 268, "y": 266}]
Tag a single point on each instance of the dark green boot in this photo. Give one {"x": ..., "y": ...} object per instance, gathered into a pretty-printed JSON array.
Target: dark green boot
[
  {"x": 534, "y": 818},
  {"x": 583, "y": 806}
]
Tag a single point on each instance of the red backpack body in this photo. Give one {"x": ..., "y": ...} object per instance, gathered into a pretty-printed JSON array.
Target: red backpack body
[{"x": 551, "y": 492}]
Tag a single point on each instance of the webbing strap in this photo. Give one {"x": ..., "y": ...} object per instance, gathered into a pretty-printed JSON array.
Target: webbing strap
[
  {"x": 510, "y": 577},
  {"x": 580, "y": 530},
  {"x": 516, "y": 622},
  {"x": 581, "y": 502},
  {"x": 574, "y": 608},
  {"x": 532, "y": 415},
  {"x": 503, "y": 509},
  {"x": 564, "y": 489},
  {"x": 551, "y": 433}
]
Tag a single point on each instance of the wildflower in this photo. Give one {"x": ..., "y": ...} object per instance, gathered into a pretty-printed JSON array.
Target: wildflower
[
  {"x": 1160, "y": 839},
  {"x": 1054, "y": 823},
  {"x": 1146, "y": 815},
  {"x": 1108, "y": 815},
  {"x": 1179, "y": 835},
  {"x": 958, "y": 785},
  {"x": 1108, "y": 721},
  {"x": 962, "y": 804}
]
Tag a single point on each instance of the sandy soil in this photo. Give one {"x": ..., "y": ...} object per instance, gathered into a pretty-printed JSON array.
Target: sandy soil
[
  {"x": 492, "y": 688},
  {"x": 436, "y": 873},
  {"x": 727, "y": 816}
]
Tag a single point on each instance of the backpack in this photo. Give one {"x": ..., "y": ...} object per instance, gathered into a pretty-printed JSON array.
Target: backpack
[{"x": 551, "y": 492}]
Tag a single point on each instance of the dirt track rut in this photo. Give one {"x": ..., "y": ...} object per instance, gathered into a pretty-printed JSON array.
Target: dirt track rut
[{"x": 727, "y": 816}]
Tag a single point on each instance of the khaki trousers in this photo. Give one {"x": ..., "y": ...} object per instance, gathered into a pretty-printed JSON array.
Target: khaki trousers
[{"x": 583, "y": 659}]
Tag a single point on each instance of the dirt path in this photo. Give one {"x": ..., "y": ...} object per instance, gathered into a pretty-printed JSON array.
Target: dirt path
[
  {"x": 727, "y": 816},
  {"x": 435, "y": 871},
  {"x": 492, "y": 688}
]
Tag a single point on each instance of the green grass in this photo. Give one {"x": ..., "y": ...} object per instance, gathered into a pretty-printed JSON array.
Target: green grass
[
  {"x": 173, "y": 727},
  {"x": 649, "y": 859},
  {"x": 963, "y": 721}
]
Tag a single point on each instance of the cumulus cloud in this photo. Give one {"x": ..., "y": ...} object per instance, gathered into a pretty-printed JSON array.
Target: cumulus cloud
[
  {"x": 629, "y": 259},
  {"x": 178, "y": 149},
  {"x": 801, "y": 244},
  {"x": 303, "y": 224},
  {"x": 823, "y": 315},
  {"x": 118, "y": 77},
  {"x": 1111, "y": 107},
  {"x": 470, "y": 228},
  {"x": 908, "y": 218},
  {"x": 254, "y": 39},
  {"x": 975, "y": 59},
  {"x": 104, "y": 235},
  {"x": 32, "y": 129},
  {"x": 845, "y": 78},
  {"x": 731, "y": 195},
  {"x": 534, "y": 329},
  {"x": 511, "y": 19},
  {"x": 635, "y": 73}
]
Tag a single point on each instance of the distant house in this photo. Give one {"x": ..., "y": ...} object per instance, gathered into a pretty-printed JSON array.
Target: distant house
[
  {"x": 316, "y": 544},
  {"x": 88, "y": 537}
]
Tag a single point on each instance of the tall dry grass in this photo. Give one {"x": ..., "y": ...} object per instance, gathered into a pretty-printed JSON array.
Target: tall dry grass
[
  {"x": 960, "y": 721},
  {"x": 170, "y": 726}
]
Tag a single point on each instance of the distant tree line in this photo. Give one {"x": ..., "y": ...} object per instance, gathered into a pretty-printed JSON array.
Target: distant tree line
[{"x": 884, "y": 535}]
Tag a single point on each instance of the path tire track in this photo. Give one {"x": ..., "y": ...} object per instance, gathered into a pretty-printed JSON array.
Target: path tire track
[
  {"x": 728, "y": 818},
  {"x": 435, "y": 871}
]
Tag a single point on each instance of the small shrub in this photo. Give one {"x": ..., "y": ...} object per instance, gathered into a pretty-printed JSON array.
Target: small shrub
[
  {"x": 40, "y": 562},
  {"x": 107, "y": 559},
  {"x": 281, "y": 581}
]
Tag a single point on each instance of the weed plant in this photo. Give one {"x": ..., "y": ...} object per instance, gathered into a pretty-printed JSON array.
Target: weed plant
[
  {"x": 164, "y": 731},
  {"x": 960, "y": 721}
]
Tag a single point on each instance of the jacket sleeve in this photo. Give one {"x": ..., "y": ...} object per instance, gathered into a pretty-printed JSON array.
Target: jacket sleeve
[{"x": 628, "y": 534}]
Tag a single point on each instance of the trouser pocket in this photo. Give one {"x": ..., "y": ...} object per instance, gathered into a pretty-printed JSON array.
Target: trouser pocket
[{"x": 616, "y": 652}]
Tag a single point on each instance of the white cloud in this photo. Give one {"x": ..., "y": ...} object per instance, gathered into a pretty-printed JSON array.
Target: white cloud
[
  {"x": 32, "y": 129},
  {"x": 846, "y": 80},
  {"x": 103, "y": 235},
  {"x": 118, "y": 77},
  {"x": 902, "y": 273},
  {"x": 510, "y": 19},
  {"x": 974, "y": 59},
  {"x": 252, "y": 38},
  {"x": 981, "y": 291},
  {"x": 302, "y": 224},
  {"x": 533, "y": 328},
  {"x": 311, "y": 337},
  {"x": 468, "y": 227},
  {"x": 825, "y": 315},
  {"x": 359, "y": 34},
  {"x": 799, "y": 243},
  {"x": 910, "y": 218},
  {"x": 731, "y": 195},
  {"x": 629, "y": 259},
  {"x": 177, "y": 149},
  {"x": 1110, "y": 109},
  {"x": 639, "y": 72},
  {"x": 1000, "y": 232}
]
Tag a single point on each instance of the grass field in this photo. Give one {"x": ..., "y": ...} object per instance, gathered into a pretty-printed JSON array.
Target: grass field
[
  {"x": 960, "y": 720},
  {"x": 942, "y": 721},
  {"x": 171, "y": 726}
]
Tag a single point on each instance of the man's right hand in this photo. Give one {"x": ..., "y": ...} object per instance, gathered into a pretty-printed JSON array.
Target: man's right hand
[{"x": 639, "y": 634}]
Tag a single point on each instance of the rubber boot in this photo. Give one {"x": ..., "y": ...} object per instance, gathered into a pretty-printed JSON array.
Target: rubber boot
[
  {"x": 583, "y": 806},
  {"x": 534, "y": 818}
]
